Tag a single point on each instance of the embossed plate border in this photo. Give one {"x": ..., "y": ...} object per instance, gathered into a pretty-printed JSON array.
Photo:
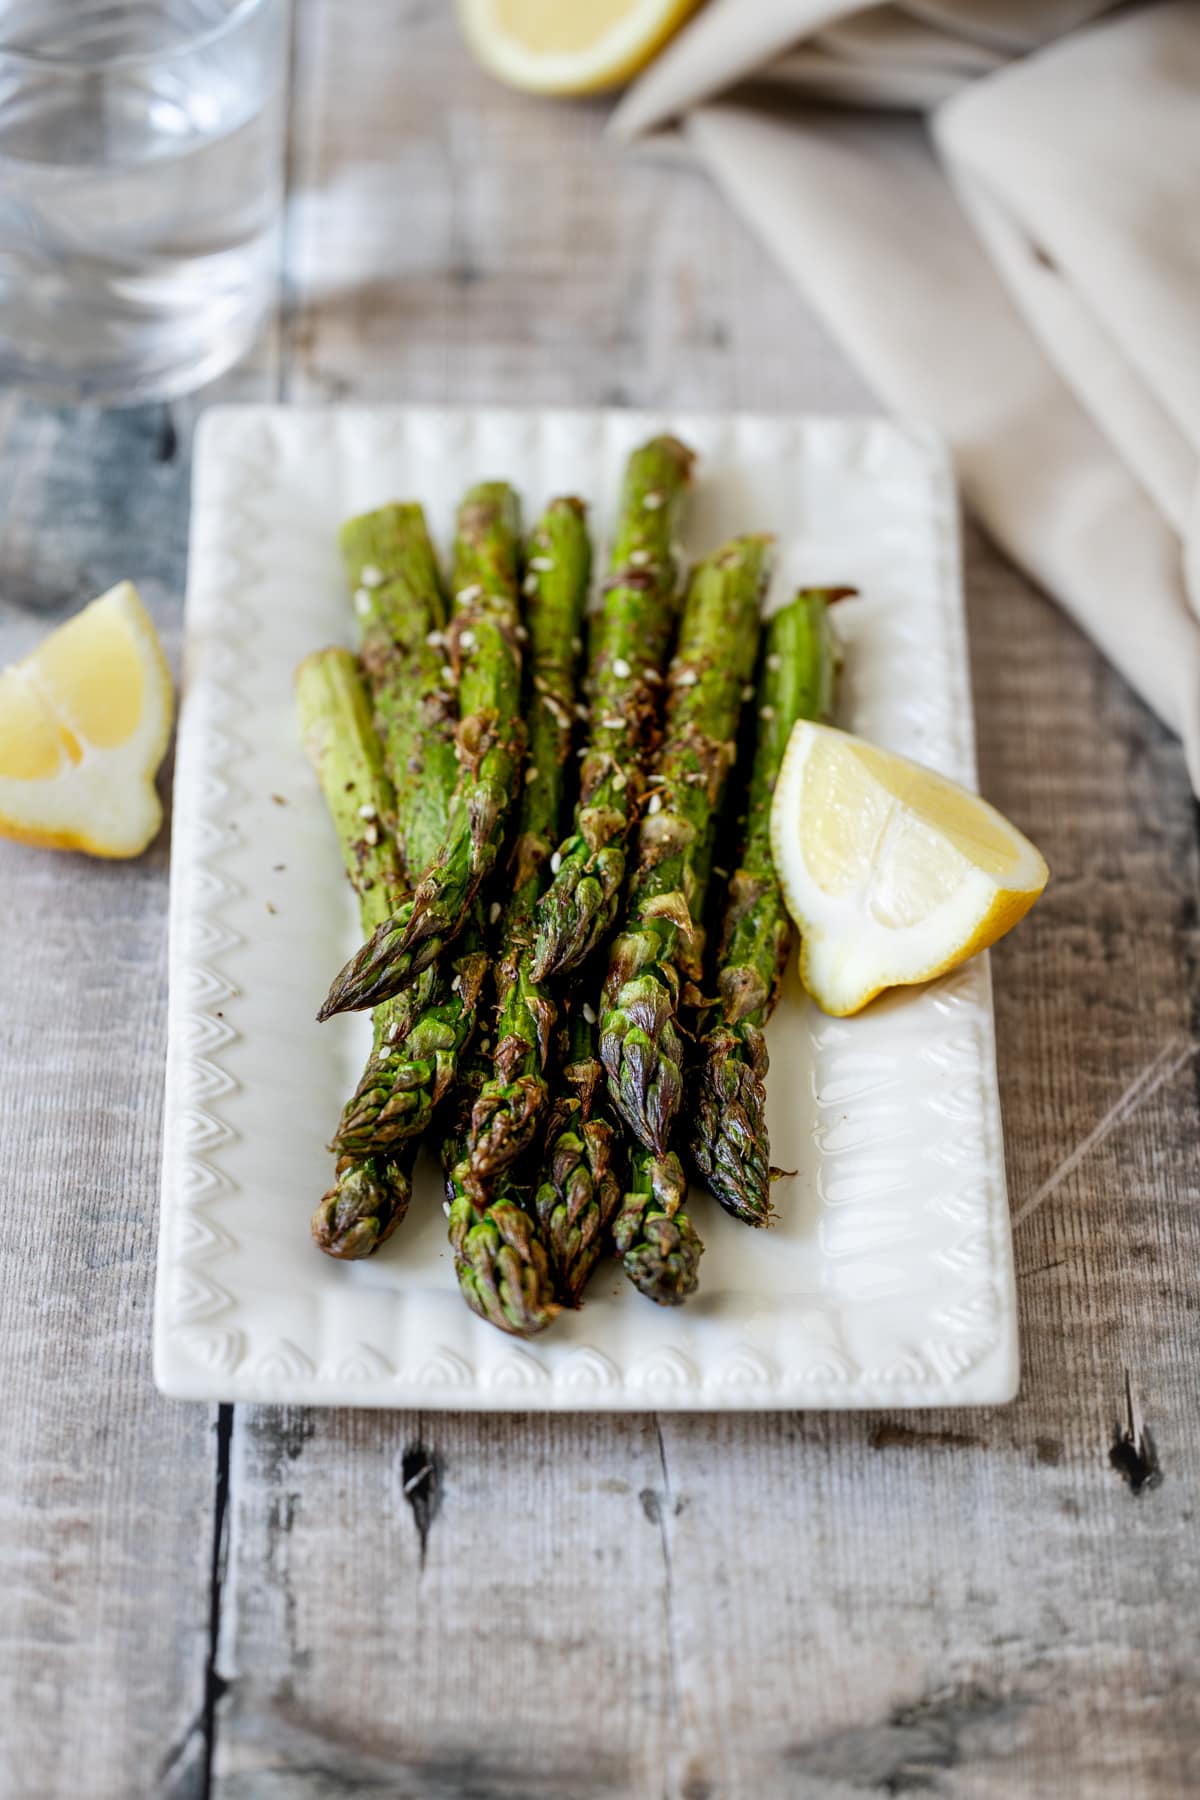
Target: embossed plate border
[{"x": 888, "y": 1281}]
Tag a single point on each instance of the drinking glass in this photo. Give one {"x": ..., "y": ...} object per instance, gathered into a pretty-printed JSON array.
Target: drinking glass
[{"x": 141, "y": 175}]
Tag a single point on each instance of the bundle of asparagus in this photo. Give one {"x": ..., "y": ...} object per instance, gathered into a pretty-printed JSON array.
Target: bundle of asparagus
[{"x": 540, "y": 1011}]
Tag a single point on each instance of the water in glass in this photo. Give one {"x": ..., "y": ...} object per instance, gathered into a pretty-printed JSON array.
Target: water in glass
[{"x": 140, "y": 186}]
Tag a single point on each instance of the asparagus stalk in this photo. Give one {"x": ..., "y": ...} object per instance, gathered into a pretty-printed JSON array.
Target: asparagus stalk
[
  {"x": 485, "y": 653},
  {"x": 502, "y": 1268},
  {"x": 640, "y": 1044},
  {"x": 402, "y": 612},
  {"x": 371, "y": 1194},
  {"x": 658, "y": 1245},
  {"x": 513, "y": 1097},
  {"x": 632, "y": 641},
  {"x": 421, "y": 1032},
  {"x": 730, "y": 1146},
  {"x": 416, "y": 1059},
  {"x": 580, "y": 1190}
]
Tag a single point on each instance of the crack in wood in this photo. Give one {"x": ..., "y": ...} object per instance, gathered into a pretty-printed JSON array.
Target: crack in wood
[
  {"x": 421, "y": 1485},
  {"x": 1133, "y": 1453},
  {"x": 658, "y": 1510}
]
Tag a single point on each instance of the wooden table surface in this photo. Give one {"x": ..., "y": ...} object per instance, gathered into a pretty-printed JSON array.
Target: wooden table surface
[{"x": 260, "y": 1603}]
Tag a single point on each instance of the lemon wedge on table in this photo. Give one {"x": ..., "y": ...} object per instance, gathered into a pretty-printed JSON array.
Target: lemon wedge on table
[
  {"x": 568, "y": 46},
  {"x": 893, "y": 873},
  {"x": 84, "y": 724}
]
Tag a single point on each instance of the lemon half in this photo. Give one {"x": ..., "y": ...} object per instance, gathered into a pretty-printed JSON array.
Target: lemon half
[
  {"x": 893, "y": 873},
  {"x": 548, "y": 47},
  {"x": 84, "y": 724}
]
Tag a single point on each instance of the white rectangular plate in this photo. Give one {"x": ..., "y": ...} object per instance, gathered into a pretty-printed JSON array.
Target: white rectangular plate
[{"x": 888, "y": 1279}]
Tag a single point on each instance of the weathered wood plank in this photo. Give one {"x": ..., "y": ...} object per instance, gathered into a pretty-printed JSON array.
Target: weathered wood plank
[
  {"x": 106, "y": 1490},
  {"x": 453, "y": 1638}
]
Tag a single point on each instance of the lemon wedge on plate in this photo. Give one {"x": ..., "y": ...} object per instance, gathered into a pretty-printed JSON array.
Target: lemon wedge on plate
[
  {"x": 892, "y": 873},
  {"x": 84, "y": 724},
  {"x": 580, "y": 47}
]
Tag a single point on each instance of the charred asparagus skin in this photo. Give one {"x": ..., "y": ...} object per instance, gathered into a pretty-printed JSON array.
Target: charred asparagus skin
[
  {"x": 512, "y": 1100},
  {"x": 631, "y": 646},
  {"x": 730, "y": 1145},
  {"x": 640, "y": 1043},
  {"x": 370, "y": 1196},
  {"x": 484, "y": 648},
  {"x": 580, "y": 1191},
  {"x": 501, "y": 1264}
]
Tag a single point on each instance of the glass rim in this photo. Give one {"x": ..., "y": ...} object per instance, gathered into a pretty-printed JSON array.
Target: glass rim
[{"x": 82, "y": 65}]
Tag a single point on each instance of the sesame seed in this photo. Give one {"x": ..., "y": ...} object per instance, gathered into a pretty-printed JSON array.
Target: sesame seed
[
  {"x": 621, "y": 668},
  {"x": 473, "y": 591},
  {"x": 774, "y": 661},
  {"x": 543, "y": 564},
  {"x": 371, "y": 576},
  {"x": 653, "y": 501},
  {"x": 639, "y": 558},
  {"x": 686, "y": 678},
  {"x": 362, "y": 602},
  {"x": 368, "y": 811},
  {"x": 494, "y": 911},
  {"x": 721, "y": 874},
  {"x": 652, "y": 676},
  {"x": 589, "y": 1013},
  {"x": 530, "y": 584},
  {"x": 613, "y": 724},
  {"x": 556, "y": 862},
  {"x": 435, "y": 639},
  {"x": 766, "y": 712},
  {"x": 446, "y": 1208},
  {"x": 521, "y": 635},
  {"x": 576, "y": 645},
  {"x": 485, "y": 1044},
  {"x": 655, "y": 780},
  {"x": 456, "y": 984},
  {"x": 448, "y": 674},
  {"x": 393, "y": 1031},
  {"x": 531, "y": 775},
  {"x": 371, "y": 834},
  {"x": 581, "y": 711},
  {"x": 582, "y": 751},
  {"x": 748, "y": 691},
  {"x": 655, "y": 803},
  {"x": 466, "y": 640}
]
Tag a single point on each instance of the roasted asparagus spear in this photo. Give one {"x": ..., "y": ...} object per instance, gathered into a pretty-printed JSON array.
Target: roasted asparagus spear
[
  {"x": 580, "y": 1189},
  {"x": 729, "y": 1145},
  {"x": 513, "y": 1097},
  {"x": 640, "y": 1045},
  {"x": 499, "y": 1259},
  {"x": 485, "y": 662},
  {"x": 371, "y": 1193},
  {"x": 632, "y": 643}
]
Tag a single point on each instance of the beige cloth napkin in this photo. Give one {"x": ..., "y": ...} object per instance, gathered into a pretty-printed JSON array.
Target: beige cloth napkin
[{"x": 1000, "y": 218}]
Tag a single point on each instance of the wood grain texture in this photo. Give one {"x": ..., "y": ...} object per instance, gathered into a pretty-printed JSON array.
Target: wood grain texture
[{"x": 974, "y": 1604}]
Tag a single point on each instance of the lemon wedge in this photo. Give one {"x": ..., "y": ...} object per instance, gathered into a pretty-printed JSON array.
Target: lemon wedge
[
  {"x": 892, "y": 873},
  {"x": 548, "y": 47},
  {"x": 84, "y": 723}
]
